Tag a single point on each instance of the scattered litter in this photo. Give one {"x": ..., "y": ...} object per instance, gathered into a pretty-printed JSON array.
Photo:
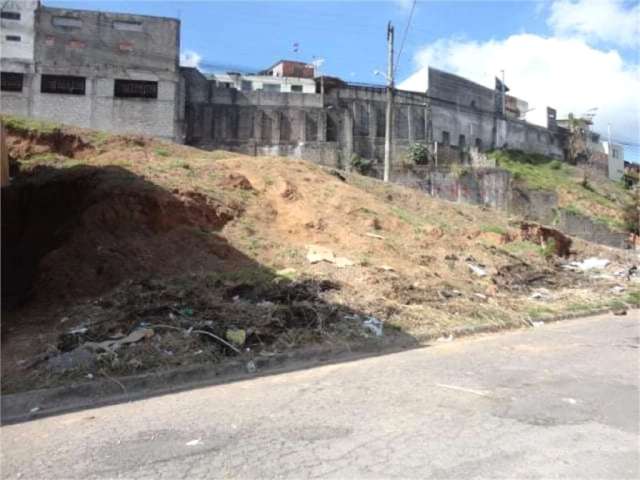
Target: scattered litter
[
  {"x": 112, "y": 345},
  {"x": 237, "y": 336},
  {"x": 481, "y": 296},
  {"x": 89, "y": 376},
  {"x": 34, "y": 409},
  {"x": 79, "y": 331},
  {"x": 617, "y": 289},
  {"x": 79, "y": 358},
  {"x": 373, "y": 325},
  {"x": 590, "y": 263},
  {"x": 477, "y": 270},
  {"x": 193, "y": 443},
  {"x": 542, "y": 294},
  {"x": 251, "y": 367},
  {"x": 286, "y": 272},
  {"x": 445, "y": 339},
  {"x": 64, "y": 319},
  {"x": 374, "y": 235},
  {"x": 186, "y": 312},
  {"x": 537, "y": 324},
  {"x": 199, "y": 352},
  {"x": 318, "y": 254},
  {"x": 386, "y": 268},
  {"x": 571, "y": 401}
]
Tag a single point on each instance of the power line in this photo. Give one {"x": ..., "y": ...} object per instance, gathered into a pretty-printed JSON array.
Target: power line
[{"x": 404, "y": 35}]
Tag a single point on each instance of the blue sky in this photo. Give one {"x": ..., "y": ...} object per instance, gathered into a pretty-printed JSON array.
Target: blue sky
[{"x": 555, "y": 52}]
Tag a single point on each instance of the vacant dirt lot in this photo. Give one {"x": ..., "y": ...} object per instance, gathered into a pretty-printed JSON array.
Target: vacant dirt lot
[{"x": 123, "y": 254}]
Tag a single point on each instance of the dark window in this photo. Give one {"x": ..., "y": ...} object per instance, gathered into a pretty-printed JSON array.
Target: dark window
[
  {"x": 10, "y": 15},
  {"x": 296, "y": 88},
  {"x": 332, "y": 129},
  {"x": 271, "y": 87},
  {"x": 62, "y": 84},
  {"x": 401, "y": 121},
  {"x": 381, "y": 121},
  {"x": 311, "y": 128},
  {"x": 128, "y": 26},
  {"x": 11, "y": 82},
  {"x": 418, "y": 125},
  {"x": 135, "y": 89},
  {"x": 462, "y": 142},
  {"x": 13, "y": 38},
  {"x": 67, "y": 22},
  {"x": 479, "y": 143},
  {"x": 445, "y": 138},
  {"x": 285, "y": 128},
  {"x": 246, "y": 86},
  {"x": 362, "y": 120},
  {"x": 266, "y": 127}
]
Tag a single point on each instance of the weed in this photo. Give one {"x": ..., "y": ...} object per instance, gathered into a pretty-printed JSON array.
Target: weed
[
  {"x": 633, "y": 298},
  {"x": 162, "y": 152},
  {"x": 493, "y": 229},
  {"x": 407, "y": 216},
  {"x": 22, "y": 124},
  {"x": 555, "y": 165}
]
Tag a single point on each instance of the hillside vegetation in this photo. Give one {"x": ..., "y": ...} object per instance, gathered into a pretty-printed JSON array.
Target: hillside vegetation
[
  {"x": 579, "y": 190},
  {"x": 129, "y": 232}
]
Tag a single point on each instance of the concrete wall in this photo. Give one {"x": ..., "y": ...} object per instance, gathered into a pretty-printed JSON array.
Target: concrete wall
[
  {"x": 585, "y": 228},
  {"x": 102, "y": 47}
]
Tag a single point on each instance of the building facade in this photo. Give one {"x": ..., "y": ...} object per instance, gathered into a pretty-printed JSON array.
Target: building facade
[{"x": 108, "y": 71}]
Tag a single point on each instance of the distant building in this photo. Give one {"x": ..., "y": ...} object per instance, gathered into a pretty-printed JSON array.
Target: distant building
[
  {"x": 266, "y": 83},
  {"x": 290, "y": 68},
  {"x": 615, "y": 155}
]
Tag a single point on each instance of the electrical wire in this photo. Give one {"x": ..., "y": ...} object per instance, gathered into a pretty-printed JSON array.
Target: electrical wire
[{"x": 404, "y": 37}]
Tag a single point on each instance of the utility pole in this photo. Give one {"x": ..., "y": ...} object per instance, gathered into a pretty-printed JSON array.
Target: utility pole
[{"x": 389, "y": 113}]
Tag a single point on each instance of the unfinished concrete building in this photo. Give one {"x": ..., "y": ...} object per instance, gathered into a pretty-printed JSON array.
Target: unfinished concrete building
[{"x": 108, "y": 71}]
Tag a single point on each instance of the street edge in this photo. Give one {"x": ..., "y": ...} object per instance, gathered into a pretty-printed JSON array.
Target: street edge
[{"x": 36, "y": 404}]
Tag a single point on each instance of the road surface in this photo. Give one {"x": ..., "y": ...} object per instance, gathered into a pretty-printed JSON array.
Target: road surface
[{"x": 559, "y": 401}]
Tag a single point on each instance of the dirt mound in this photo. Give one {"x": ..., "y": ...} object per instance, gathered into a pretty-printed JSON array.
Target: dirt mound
[
  {"x": 36, "y": 142},
  {"x": 556, "y": 241},
  {"x": 80, "y": 231}
]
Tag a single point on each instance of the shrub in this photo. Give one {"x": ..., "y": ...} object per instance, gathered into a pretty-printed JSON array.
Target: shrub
[
  {"x": 360, "y": 165},
  {"x": 555, "y": 165},
  {"x": 418, "y": 153}
]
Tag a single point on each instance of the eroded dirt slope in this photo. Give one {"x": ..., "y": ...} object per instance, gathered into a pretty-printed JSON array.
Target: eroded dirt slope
[{"x": 108, "y": 235}]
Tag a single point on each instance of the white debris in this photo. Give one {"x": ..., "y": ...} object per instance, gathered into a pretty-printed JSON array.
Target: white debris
[
  {"x": 34, "y": 409},
  {"x": 79, "y": 331},
  {"x": 373, "y": 325},
  {"x": 537, "y": 324},
  {"x": 477, "y": 270},
  {"x": 373, "y": 235},
  {"x": 541, "y": 294},
  {"x": 251, "y": 367},
  {"x": 318, "y": 254},
  {"x": 571, "y": 401},
  {"x": 445, "y": 339},
  {"x": 617, "y": 289},
  {"x": 193, "y": 443},
  {"x": 590, "y": 263},
  {"x": 481, "y": 296}
]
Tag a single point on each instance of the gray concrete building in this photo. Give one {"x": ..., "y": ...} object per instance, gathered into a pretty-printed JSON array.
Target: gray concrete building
[{"x": 109, "y": 71}]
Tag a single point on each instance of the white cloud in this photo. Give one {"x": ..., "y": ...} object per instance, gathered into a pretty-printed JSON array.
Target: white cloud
[
  {"x": 563, "y": 73},
  {"x": 606, "y": 20},
  {"x": 190, "y": 59},
  {"x": 404, "y": 4}
]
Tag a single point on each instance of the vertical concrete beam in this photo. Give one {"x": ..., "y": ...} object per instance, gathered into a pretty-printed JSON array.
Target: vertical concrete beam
[
  {"x": 275, "y": 131},
  {"x": 322, "y": 126},
  {"x": 410, "y": 124},
  {"x": 347, "y": 135}
]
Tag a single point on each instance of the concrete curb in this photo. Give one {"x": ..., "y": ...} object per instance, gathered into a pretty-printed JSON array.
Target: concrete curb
[{"x": 35, "y": 404}]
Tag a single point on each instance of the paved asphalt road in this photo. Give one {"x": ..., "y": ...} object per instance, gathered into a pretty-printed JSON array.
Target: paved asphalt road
[{"x": 559, "y": 401}]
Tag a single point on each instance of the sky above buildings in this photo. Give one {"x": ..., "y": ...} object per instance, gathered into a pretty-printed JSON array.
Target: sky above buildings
[{"x": 574, "y": 55}]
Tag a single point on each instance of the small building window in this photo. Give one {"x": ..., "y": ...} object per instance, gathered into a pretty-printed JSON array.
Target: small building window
[
  {"x": 462, "y": 142},
  {"x": 11, "y": 82},
  {"x": 128, "y": 26},
  {"x": 296, "y": 88},
  {"x": 246, "y": 86},
  {"x": 135, "y": 89},
  {"x": 13, "y": 38},
  {"x": 445, "y": 137},
  {"x": 479, "y": 143},
  {"x": 66, "y": 22},
  {"x": 615, "y": 153},
  {"x": 62, "y": 84},
  {"x": 10, "y": 15},
  {"x": 271, "y": 87}
]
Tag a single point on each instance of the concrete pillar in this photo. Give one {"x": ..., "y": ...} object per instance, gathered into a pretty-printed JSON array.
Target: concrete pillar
[
  {"x": 275, "y": 129},
  {"x": 410, "y": 124},
  {"x": 257, "y": 125},
  {"x": 347, "y": 136},
  {"x": 302, "y": 126},
  {"x": 322, "y": 126}
]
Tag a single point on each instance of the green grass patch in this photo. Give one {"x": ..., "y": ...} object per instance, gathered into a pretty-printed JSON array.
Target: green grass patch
[
  {"x": 161, "y": 152},
  {"x": 493, "y": 229},
  {"x": 23, "y": 124},
  {"x": 407, "y": 216}
]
